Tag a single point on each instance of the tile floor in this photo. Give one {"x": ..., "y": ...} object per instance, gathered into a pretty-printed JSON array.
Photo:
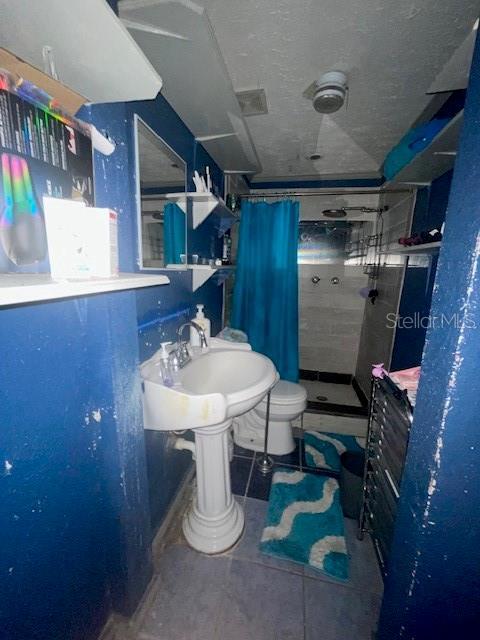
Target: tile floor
[
  {"x": 245, "y": 595},
  {"x": 350, "y": 425},
  {"x": 342, "y": 394},
  {"x": 248, "y": 481}
]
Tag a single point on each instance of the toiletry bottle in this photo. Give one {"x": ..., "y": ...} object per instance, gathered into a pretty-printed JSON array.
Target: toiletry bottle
[
  {"x": 227, "y": 248},
  {"x": 203, "y": 322},
  {"x": 165, "y": 365}
]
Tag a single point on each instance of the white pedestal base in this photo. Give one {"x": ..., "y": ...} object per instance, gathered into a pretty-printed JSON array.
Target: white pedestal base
[
  {"x": 213, "y": 535},
  {"x": 215, "y": 521}
]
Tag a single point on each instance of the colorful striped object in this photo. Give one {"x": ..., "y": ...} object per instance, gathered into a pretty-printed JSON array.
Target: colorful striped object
[{"x": 22, "y": 228}]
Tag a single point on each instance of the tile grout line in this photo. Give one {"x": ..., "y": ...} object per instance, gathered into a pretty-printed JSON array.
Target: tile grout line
[
  {"x": 216, "y": 631},
  {"x": 304, "y": 611},
  {"x": 344, "y": 585},
  {"x": 242, "y": 456},
  {"x": 247, "y": 487},
  {"x": 259, "y": 563}
]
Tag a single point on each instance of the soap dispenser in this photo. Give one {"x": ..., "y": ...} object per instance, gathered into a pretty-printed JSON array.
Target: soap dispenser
[
  {"x": 203, "y": 322},
  {"x": 165, "y": 365}
]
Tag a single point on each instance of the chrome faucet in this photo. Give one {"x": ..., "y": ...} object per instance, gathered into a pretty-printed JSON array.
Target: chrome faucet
[
  {"x": 180, "y": 355},
  {"x": 200, "y": 331}
]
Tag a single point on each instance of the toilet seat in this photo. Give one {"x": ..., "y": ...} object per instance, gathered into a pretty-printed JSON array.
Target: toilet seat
[{"x": 286, "y": 393}]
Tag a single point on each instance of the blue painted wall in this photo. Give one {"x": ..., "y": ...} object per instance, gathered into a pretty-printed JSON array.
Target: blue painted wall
[
  {"x": 72, "y": 517},
  {"x": 430, "y": 209},
  {"x": 159, "y": 314},
  {"x": 433, "y": 203},
  {"x": 160, "y": 310},
  {"x": 114, "y": 5},
  {"x": 77, "y": 504},
  {"x": 433, "y": 588}
]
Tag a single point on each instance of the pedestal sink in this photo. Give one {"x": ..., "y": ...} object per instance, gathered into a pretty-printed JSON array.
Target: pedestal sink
[{"x": 212, "y": 389}]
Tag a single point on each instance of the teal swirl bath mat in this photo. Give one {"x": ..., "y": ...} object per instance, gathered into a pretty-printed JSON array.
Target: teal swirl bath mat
[
  {"x": 323, "y": 450},
  {"x": 305, "y": 522}
]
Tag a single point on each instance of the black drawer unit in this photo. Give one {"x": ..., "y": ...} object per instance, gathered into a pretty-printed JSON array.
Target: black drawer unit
[{"x": 389, "y": 423}]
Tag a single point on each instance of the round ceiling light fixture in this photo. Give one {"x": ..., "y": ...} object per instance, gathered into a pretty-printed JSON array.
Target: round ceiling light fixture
[{"x": 330, "y": 92}]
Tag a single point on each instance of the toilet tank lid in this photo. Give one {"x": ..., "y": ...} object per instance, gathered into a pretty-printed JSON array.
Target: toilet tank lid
[{"x": 285, "y": 392}]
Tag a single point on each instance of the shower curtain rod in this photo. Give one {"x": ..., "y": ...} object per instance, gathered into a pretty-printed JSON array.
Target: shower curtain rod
[{"x": 296, "y": 194}]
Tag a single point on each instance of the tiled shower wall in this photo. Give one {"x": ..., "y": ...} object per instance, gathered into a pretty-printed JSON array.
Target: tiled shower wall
[
  {"x": 330, "y": 315},
  {"x": 377, "y": 331}
]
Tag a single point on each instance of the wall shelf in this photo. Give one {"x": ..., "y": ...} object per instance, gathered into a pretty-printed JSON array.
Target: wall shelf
[
  {"x": 201, "y": 273},
  {"x": 22, "y": 288},
  {"x": 204, "y": 205},
  {"x": 93, "y": 52},
  {"x": 436, "y": 159},
  {"x": 416, "y": 250},
  {"x": 179, "y": 40}
]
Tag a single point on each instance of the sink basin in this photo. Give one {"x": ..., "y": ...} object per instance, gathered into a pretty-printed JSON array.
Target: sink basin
[{"x": 214, "y": 387}]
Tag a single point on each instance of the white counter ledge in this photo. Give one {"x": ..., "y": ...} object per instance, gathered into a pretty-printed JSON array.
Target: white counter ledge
[{"x": 22, "y": 288}]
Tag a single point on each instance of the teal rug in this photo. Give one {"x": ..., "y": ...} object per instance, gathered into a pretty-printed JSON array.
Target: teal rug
[
  {"x": 305, "y": 522},
  {"x": 323, "y": 450}
]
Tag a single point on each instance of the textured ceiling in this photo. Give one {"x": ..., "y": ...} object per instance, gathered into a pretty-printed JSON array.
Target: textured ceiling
[{"x": 391, "y": 51}]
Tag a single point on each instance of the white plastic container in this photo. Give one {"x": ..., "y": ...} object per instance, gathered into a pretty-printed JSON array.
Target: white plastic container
[
  {"x": 165, "y": 366},
  {"x": 203, "y": 322},
  {"x": 82, "y": 241}
]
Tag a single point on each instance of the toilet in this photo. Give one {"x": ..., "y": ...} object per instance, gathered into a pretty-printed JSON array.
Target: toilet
[{"x": 287, "y": 401}]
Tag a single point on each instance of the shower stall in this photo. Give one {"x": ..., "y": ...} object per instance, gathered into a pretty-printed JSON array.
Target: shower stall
[
  {"x": 339, "y": 260},
  {"x": 336, "y": 256}
]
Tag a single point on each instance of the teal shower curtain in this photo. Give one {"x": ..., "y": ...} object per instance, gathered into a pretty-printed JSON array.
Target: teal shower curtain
[
  {"x": 173, "y": 233},
  {"x": 265, "y": 300}
]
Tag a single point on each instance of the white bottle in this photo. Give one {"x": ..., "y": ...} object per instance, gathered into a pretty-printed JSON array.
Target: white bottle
[
  {"x": 165, "y": 366},
  {"x": 203, "y": 322}
]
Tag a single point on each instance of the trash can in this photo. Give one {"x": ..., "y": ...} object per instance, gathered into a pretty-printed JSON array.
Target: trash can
[{"x": 351, "y": 483}]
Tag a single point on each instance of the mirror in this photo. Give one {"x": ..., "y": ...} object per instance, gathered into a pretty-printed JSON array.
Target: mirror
[{"x": 161, "y": 223}]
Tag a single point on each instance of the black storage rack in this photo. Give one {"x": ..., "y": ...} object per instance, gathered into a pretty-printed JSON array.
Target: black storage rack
[{"x": 389, "y": 423}]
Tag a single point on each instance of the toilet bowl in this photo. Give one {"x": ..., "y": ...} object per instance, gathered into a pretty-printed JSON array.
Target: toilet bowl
[{"x": 287, "y": 401}]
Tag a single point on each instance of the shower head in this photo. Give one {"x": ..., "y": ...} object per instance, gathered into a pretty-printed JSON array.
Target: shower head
[
  {"x": 341, "y": 213},
  {"x": 334, "y": 213}
]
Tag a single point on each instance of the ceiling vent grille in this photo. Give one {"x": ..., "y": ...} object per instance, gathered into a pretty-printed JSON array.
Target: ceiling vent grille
[{"x": 253, "y": 102}]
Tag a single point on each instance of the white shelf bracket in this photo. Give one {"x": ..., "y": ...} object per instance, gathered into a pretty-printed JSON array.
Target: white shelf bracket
[
  {"x": 201, "y": 273},
  {"x": 217, "y": 136},
  {"x": 150, "y": 28},
  {"x": 201, "y": 210},
  {"x": 417, "y": 184},
  {"x": 202, "y": 205},
  {"x": 200, "y": 276}
]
